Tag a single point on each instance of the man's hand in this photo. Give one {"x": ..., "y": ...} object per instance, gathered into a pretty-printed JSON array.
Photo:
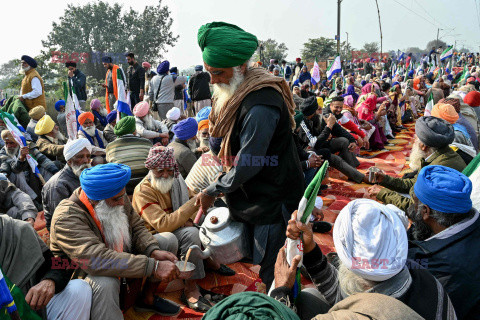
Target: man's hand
[
  {"x": 104, "y": 85},
  {"x": 331, "y": 120},
  {"x": 378, "y": 177},
  {"x": 163, "y": 256},
  {"x": 31, "y": 221},
  {"x": 204, "y": 201},
  {"x": 373, "y": 191},
  {"x": 360, "y": 142},
  {"x": 23, "y": 153},
  {"x": 318, "y": 214},
  {"x": 352, "y": 146},
  {"x": 315, "y": 161},
  {"x": 141, "y": 95},
  {"x": 296, "y": 228},
  {"x": 39, "y": 295},
  {"x": 365, "y": 125},
  {"x": 285, "y": 274},
  {"x": 166, "y": 271},
  {"x": 205, "y": 149}
]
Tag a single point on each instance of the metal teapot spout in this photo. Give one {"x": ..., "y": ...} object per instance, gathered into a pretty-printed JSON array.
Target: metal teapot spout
[{"x": 205, "y": 254}]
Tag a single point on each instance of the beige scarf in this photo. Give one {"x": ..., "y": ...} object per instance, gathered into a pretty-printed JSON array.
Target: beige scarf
[{"x": 222, "y": 126}]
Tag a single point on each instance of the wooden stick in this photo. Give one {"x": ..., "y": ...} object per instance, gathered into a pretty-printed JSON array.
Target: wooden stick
[{"x": 186, "y": 259}]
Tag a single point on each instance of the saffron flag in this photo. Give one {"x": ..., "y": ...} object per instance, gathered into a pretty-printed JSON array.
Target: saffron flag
[
  {"x": 315, "y": 73},
  {"x": 335, "y": 67},
  {"x": 447, "y": 53}
]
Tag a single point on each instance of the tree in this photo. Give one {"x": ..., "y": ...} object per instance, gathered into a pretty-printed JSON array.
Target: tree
[
  {"x": 271, "y": 49},
  {"x": 371, "y": 47},
  {"x": 346, "y": 51},
  {"x": 436, "y": 44},
  {"x": 320, "y": 48},
  {"x": 9, "y": 74},
  {"x": 94, "y": 30}
]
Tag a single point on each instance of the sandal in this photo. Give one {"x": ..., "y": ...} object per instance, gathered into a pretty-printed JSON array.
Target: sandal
[{"x": 160, "y": 306}]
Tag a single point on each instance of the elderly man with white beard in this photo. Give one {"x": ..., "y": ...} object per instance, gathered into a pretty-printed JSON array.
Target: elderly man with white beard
[
  {"x": 253, "y": 111},
  {"x": 203, "y": 126},
  {"x": 147, "y": 127},
  {"x": 98, "y": 229},
  {"x": 61, "y": 186},
  {"x": 431, "y": 147},
  {"x": 50, "y": 140},
  {"x": 89, "y": 131},
  {"x": 372, "y": 247},
  {"x": 168, "y": 208},
  {"x": 185, "y": 145}
]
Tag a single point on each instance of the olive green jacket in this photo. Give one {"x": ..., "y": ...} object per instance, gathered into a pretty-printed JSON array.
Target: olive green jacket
[{"x": 394, "y": 186}]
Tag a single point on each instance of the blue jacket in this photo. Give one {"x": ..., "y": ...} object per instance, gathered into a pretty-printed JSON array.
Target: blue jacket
[{"x": 454, "y": 261}]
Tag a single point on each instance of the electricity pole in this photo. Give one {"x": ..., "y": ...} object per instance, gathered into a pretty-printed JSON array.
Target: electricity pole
[
  {"x": 346, "y": 53},
  {"x": 381, "y": 36},
  {"x": 338, "y": 25}
]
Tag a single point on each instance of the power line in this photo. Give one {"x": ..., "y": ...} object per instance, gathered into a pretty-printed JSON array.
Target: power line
[
  {"x": 478, "y": 19},
  {"x": 418, "y": 14}
]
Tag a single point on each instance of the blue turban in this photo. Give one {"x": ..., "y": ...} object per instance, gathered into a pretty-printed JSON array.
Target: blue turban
[
  {"x": 107, "y": 60},
  {"x": 174, "y": 70},
  {"x": 163, "y": 67},
  {"x": 112, "y": 116},
  {"x": 215, "y": 144},
  {"x": 199, "y": 68},
  {"x": 186, "y": 129},
  {"x": 395, "y": 83},
  {"x": 105, "y": 180},
  {"x": 450, "y": 77},
  {"x": 30, "y": 61},
  {"x": 203, "y": 113},
  {"x": 364, "y": 82},
  {"x": 444, "y": 189},
  {"x": 58, "y": 104}
]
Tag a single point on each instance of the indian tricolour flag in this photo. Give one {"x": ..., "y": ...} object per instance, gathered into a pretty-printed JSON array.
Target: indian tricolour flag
[
  {"x": 304, "y": 212},
  {"x": 447, "y": 53},
  {"x": 335, "y": 67},
  {"x": 315, "y": 73},
  {"x": 429, "y": 105}
]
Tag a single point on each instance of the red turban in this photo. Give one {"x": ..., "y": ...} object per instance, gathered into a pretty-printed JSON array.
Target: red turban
[
  {"x": 145, "y": 64},
  {"x": 472, "y": 99},
  {"x": 84, "y": 116}
]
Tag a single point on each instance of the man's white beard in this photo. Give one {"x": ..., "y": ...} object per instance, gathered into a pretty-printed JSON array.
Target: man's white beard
[
  {"x": 223, "y": 92},
  {"x": 417, "y": 155},
  {"x": 90, "y": 130},
  {"x": 77, "y": 170},
  {"x": 161, "y": 184},
  {"x": 192, "y": 145},
  {"x": 12, "y": 153},
  {"x": 350, "y": 283},
  {"x": 148, "y": 122},
  {"x": 116, "y": 227},
  {"x": 24, "y": 70},
  {"x": 103, "y": 112},
  {"x": 204, "y": 142}
]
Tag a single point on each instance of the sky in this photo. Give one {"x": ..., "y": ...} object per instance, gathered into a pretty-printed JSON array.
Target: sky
[{"x": 405, "y": 23}]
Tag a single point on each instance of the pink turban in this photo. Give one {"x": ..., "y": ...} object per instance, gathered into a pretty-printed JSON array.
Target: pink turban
[
  {"x": 95, "y": 104},
  {"x": 145, "y": 64},
  {"x": 348, "y": 100},
  {"x": 141, "y": 109}
]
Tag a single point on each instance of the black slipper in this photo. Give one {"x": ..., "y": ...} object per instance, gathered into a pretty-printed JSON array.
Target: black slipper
[
  {"x": 225, "y": 271},
  {"x": 202, "y": 304},
  {"x": 214, "y": 297},
  {"x": 160, "y": 306}
]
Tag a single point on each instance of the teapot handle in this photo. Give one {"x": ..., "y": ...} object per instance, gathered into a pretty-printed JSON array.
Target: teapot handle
[{"x": 202, "y": 230}]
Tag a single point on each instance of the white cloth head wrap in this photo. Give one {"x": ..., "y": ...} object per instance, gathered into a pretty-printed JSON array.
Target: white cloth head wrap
[
  {"x": 75, "y": 146},
  {"x": 374, "y": 233},
  {"x": 173, "y": 114}
]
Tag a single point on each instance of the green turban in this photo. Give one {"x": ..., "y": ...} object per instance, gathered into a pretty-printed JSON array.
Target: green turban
[
  {"x": 298, "y": 118},
  {"x": 126, "y": 125},
  {"x": 225, "y": 45}
]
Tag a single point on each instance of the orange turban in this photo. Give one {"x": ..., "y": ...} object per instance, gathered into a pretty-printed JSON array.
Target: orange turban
[
  {"x": 203, "y": 125},
  {"x": 446, "y": 112},
  {"x": 416, "y": 83},
  {"x": 84, "y": 116}
]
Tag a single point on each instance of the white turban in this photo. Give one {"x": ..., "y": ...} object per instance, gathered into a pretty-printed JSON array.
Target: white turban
[
  {"x": 173, "y": 114},
  {"x": 75, "y": 146},
  {"x": 374, "y": 233}
]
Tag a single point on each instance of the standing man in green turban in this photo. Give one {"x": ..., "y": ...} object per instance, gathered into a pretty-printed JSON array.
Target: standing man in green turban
[{"x": 253, "y": 112}]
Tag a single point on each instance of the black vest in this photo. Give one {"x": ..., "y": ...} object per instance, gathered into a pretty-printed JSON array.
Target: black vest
[{"x": 280, "y": 181}]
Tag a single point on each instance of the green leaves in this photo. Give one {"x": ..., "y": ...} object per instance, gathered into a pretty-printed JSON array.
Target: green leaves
[{"x": 320, "y": 48}]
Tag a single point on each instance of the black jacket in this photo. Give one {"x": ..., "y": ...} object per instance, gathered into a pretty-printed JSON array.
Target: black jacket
[
  {"x": 79, "y": 83},
  {"x": 318, "y": 128},
  {"x": 136, "y": 78},
  {"x": 199, "y": 88},
  {"x": 260, "y": 199}
]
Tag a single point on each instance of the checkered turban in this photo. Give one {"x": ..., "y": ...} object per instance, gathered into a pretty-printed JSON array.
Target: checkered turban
[{"x": 160, "y": 157}]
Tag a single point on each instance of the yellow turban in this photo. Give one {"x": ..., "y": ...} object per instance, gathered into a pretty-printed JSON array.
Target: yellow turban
[
  {"x": 320, "y": 102},
  {"x": 6, "y": 135},
  {"x": 37, "y": 113},
  {"x": 44, "y": 125}
]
